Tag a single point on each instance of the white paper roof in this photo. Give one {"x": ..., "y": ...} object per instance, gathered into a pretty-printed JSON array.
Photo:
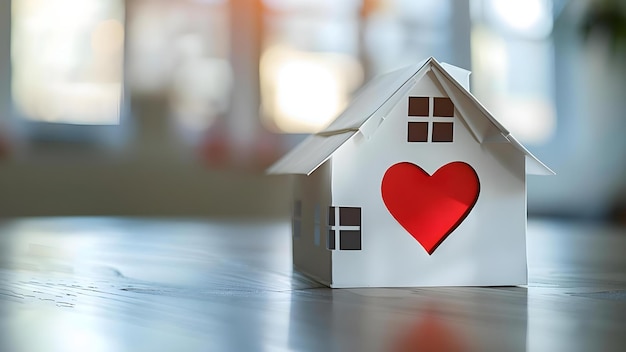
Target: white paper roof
[{"x": 368, "y": 104}]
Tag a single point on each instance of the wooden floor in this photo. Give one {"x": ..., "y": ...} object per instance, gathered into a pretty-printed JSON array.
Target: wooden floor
[{"x": 115, "y": 284}]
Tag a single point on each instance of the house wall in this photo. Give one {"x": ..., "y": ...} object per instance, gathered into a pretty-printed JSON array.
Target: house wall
[
  {"x": 309, "y": 248},
  {"x": 487, "y": 248}
]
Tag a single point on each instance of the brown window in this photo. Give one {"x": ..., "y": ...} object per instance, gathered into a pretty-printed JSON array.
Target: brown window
[
  {"x": 418, "y": 106},
  {"x": 443, "y": 107},
  {"x": 442, "y": 131},
  {"x": 418, "y": 132},
  {"x": 344, "y": 227},
  {"x": 430, "y": 125}
]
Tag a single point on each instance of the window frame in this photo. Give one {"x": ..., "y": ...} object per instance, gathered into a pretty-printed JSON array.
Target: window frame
[
  {"x": 344, "y": 231},
  {"x": 438, "y": 122}
]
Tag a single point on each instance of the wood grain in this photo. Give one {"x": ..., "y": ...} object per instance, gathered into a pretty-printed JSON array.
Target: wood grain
[{"x": 123, "y": 284}]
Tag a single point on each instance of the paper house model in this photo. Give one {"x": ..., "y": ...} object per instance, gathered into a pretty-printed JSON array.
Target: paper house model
[{"x": 414, "y": 184}]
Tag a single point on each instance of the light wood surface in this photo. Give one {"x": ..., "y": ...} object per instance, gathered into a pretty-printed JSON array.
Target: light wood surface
[{"x": 124, "y": 284}]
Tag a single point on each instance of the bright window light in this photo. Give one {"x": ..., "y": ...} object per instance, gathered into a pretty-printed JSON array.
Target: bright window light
[
  {"x": 530, "y": 119},
  {"x": 304, "y": 91},
  {"x": 512, "y": 77},
  {"x": 527, "y": 17},
  {"x": 67, "y": 59}
]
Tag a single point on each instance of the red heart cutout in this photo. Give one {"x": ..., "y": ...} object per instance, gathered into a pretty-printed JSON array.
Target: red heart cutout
[{"x": 430, "y": 207}]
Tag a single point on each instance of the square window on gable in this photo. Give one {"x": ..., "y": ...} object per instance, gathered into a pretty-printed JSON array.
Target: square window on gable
[
  {"x": 443, "y": 107},
  {"x": 418, "y": 132},
  {"x": 418, "y": 106},
  {"x": 443, "y": 131},
  {"x": 428, "y": 119}
]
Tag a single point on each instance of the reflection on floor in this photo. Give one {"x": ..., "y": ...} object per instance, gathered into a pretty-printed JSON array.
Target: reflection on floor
[{"x": 113, "y": 284}]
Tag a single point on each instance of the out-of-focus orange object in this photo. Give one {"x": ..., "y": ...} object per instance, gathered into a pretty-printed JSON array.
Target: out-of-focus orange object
[{"x": 430, "y": 334}]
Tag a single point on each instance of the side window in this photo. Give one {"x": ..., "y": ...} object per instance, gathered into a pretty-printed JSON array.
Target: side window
[
  {"x": 430, "y": 119},
  {"x": 296, "y": 219},
  {"x": 344, "y": 228}
]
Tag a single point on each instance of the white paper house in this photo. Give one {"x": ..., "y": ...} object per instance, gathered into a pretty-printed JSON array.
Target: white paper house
[{"x": 371, "y": 209}]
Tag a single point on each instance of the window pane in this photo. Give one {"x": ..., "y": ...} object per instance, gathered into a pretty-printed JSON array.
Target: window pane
[
  {"x": 418, "y": 106},
  {"x": 442, "y": 131},
  {"x": 350, "y": 240},
  {"x": 331, "y": 216},
  {"x": 67, "y": 60},
  {"x": 418, "y": 132},
  {"x": 350, "y": 216},
  {"x": 330, "y": 239},
  {"x": 443, "y": 107}
]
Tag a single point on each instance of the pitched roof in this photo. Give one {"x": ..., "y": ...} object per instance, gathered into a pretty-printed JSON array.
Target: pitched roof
[{"x": 371, "y": 105}]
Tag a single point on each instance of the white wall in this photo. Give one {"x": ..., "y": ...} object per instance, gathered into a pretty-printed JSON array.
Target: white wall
[{"x": 488, "y": 247}]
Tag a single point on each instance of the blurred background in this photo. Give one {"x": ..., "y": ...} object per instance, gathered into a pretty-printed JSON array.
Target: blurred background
[{"x": 176, "y": 107}]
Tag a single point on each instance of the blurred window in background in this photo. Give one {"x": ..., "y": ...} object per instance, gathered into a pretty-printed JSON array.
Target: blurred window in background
[
  {"x": 513, "y": 65},
  {"x": 304, "y": 91},
  {"x": 179, "y": 50},
  {"x": 67, "y": 60},
  {"x": 318, "y": 53},
  {"x": 309, "y": 62},
  {"x": 76, "y": 61}
]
